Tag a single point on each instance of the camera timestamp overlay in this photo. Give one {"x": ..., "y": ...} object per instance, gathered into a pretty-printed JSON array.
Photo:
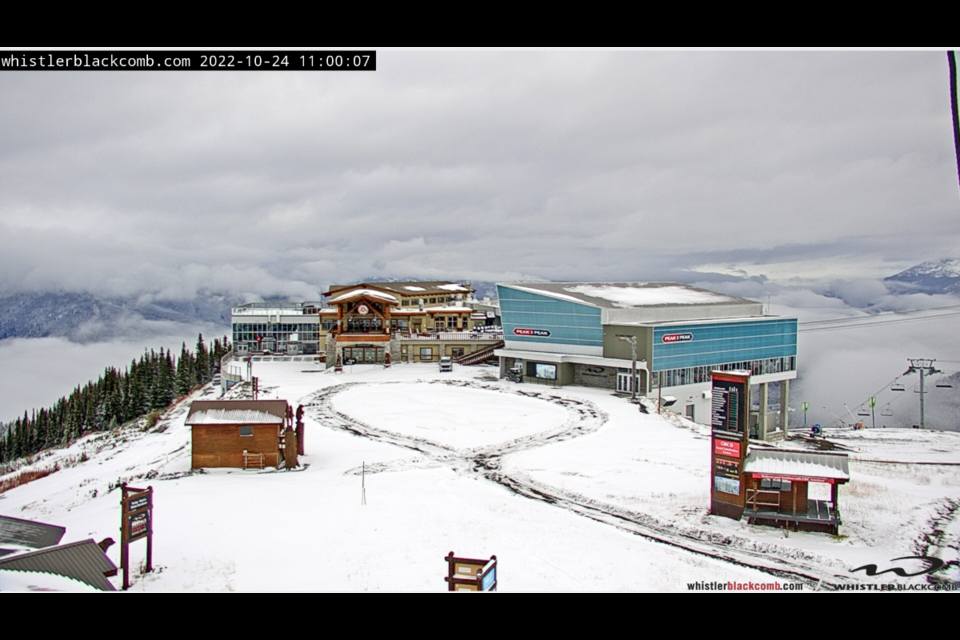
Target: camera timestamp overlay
[{"x": 298, "y": 60}]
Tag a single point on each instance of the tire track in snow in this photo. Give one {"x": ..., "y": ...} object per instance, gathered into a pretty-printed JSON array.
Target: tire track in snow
[{"x": 585, "y": 418}]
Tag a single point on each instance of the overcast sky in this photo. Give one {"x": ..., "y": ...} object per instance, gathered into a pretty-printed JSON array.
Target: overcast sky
[{"x": 572, "y": 165}]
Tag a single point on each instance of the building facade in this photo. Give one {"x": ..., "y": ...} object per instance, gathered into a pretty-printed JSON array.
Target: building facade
[
  {"x": 282, "y": 328},
  {"x": 671, "y": 335},
  {"x": 377, "y": 322}
]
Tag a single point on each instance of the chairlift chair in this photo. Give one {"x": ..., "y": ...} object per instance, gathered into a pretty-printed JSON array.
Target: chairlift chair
[
  {"x": 897, "y": 387},
  {"x": 863, "y": 412},
  {"x": 943, "y": 383},
  {"x": 886, "y": 412}
]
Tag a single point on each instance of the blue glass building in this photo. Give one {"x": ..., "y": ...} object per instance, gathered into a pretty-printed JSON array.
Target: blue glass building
[{"x": 660, "y": 339}]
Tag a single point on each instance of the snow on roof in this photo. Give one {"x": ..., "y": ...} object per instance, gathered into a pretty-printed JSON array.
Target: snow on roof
[
  {"x": 237, "y": 412},
  {"x": 365, "y": 292},
  {"x": 452, "y": 287},
  {"x": 409, "y": 288},
  {"x": 552, "y": 294},
  {"x": 797, "y": 463},
  {"x": 39, "y": 581},
  {"x": 628, "y": 295},
  {"x": 233, "y": 416}
]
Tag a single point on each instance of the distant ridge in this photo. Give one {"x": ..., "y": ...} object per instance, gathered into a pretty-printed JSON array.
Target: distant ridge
[
  {"x": 83, "y": 317},
  {"x": 936, "y": 276}
]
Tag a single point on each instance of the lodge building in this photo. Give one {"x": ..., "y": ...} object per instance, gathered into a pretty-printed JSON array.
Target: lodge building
[
  {"x": 376, "y": 322},
  {"x": 371, "y": 323}
]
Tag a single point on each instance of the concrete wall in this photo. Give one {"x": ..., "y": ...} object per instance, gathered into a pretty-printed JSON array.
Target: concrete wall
[
  {"x": 593, "y": 376},
  {"x": 613, "y": 347}
]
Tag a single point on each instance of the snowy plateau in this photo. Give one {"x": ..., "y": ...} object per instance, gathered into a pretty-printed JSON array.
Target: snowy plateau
[{"x": 573, "y": 489}]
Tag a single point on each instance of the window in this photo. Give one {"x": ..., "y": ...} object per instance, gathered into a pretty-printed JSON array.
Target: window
[
  {"x": 774, "y": 484},
  {"x": 246, "y": 431},
  {"x": 426, "y": 353},
  {"x": 545, "y": 371}
]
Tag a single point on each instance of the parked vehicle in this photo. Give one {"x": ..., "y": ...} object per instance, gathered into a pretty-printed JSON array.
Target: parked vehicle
[{"x": 446, "y": 364}]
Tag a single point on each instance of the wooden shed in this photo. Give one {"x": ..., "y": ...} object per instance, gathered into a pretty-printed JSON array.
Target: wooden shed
[
  {"x": 238, "y": 433},
  {"x": 778, "y": 484}
]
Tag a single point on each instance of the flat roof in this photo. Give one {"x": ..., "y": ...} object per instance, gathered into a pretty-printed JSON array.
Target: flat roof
[
  {"x": 628, "y": 295},
  {"x": 273, "y": 308}
]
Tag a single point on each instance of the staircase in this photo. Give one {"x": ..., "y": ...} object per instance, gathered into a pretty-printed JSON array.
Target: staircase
[{"x": 479, "y": 356}]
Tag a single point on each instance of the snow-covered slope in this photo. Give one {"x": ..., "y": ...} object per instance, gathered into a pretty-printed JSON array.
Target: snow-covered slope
[{"x": 573, "y": 489}]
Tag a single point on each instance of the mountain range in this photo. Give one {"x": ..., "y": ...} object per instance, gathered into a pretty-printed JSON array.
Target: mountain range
[{"x": 937, "y": 276}]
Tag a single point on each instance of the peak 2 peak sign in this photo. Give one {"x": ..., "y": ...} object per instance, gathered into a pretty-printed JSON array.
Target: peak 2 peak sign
[
  {"x": 537, "y": 333},
  {"x": 676, "y": 337}
]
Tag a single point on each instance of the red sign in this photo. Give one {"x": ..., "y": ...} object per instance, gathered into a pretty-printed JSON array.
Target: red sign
[
  {"x": 363, "y": 309},
  {"x": 774, "y": 476},
  {"x": 726, "y": 448},
  {"x": 537, "y": 333},
  {"x": 677, "y": 337}
]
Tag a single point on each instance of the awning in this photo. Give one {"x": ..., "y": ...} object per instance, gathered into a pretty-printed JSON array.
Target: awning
[{"x": 797, "y": 466}]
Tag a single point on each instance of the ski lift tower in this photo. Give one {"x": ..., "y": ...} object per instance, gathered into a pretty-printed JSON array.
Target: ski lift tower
[{"x": 921, "y": 366}]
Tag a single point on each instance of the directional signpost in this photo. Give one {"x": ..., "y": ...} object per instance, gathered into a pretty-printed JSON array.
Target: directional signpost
[
  {"x": 136, "y": 522},
  {"x": 471, "y": 574}
]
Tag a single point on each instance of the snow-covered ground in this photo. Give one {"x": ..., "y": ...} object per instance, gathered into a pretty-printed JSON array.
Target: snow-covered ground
[{"x": 573, "y": 489}]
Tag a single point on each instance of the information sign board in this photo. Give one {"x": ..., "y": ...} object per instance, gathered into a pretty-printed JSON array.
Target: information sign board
[
  {"x": 728, "y": 404},
  {"x": 136, "y": 523}
]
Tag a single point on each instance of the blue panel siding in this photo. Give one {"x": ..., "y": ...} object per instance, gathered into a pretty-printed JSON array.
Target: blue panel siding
[
  {"x": 714, "y": 344},
  {"x": 567, "y": 322}
]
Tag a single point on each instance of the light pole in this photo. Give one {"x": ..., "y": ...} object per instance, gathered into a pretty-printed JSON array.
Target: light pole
[{"x": 633, "y": 375}]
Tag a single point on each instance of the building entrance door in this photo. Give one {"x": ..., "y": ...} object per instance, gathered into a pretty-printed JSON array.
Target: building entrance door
[
  {"x": 363, "y": 355},
  {"x": 623, "y": 383}
]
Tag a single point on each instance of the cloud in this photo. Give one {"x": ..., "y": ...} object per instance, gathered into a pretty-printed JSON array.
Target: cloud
[{"x": 582, "y": 165}]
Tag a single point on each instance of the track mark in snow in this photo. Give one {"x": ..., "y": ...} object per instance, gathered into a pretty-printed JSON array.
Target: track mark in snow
[{"x": 585, "y": 418}]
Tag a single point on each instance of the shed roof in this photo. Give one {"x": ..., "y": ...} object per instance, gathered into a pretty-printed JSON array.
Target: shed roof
[
  {"x": 777, "y": 462},
  {"x": 83, "y": 561},
  {"x": 28, "y": 534},
  {"x": 237, "y": 412}
]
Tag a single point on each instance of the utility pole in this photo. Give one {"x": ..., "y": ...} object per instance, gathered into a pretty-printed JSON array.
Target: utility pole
[
  {"x": 633, "y": 376},
  {"x": 922, "y": 366}
]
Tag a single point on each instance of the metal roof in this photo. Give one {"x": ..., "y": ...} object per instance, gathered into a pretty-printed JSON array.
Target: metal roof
[
  {"x": 237, "y": 412},
  {"x": 629, "y": 295},
  {"x": 777, "y": 462},
  {"x": 83, "y": 561},
  {"x": 28, "y": 533}
]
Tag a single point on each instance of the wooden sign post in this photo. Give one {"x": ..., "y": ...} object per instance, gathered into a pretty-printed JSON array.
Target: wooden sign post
[
  {"x": 471, "y": 574},
  {"x": 136, "y": 522}
]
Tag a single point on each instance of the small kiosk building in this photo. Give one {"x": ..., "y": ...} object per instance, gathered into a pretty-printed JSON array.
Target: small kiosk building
[
  {"x": 238, "y": 433},
  {"x": 777, "y": 488}
]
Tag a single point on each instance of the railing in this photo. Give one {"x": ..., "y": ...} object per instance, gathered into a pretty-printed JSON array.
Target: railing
[
  {"x": 252, "y": 460},
  {"x": 756, "y": 497},
  {"x": 479, "y": 356},
  {"x": 451, "y": 335}
]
